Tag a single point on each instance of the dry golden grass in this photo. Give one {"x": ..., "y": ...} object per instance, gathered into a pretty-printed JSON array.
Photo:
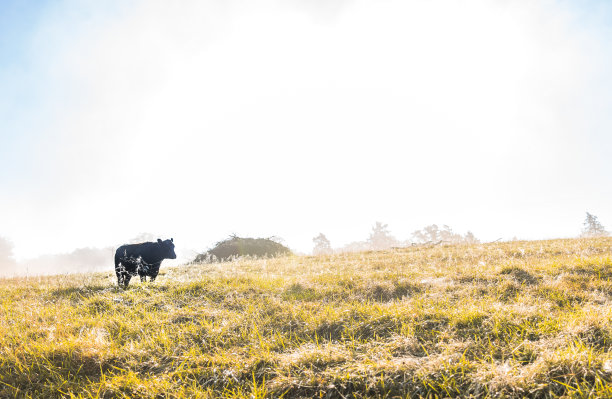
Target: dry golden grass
[{"x": 520, "y": 319}]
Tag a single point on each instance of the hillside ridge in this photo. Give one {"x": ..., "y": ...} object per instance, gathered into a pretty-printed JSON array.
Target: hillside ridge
[{"x": 506, "y": 319}]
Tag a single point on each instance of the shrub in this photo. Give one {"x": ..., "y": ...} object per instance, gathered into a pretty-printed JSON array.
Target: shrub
[{"x": 234, "y": 247}]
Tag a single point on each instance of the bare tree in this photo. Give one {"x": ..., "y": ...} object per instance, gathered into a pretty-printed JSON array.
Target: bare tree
[
  {"x": 429, "y": 233},
  {"x": 448, "y": 235},
  {"x": 592, "y": 227},
  {"x": 433, "y": 234},
  {"x": 380, "y": 238},
  {"x": 470, "y": 238},
  {"x": 322, "y": 246}
]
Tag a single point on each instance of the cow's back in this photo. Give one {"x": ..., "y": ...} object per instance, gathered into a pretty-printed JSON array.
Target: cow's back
[{"x": 146, "y": 250}]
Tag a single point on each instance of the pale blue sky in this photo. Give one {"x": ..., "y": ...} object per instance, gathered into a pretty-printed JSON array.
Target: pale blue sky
[{"x": 197, "y": 119}]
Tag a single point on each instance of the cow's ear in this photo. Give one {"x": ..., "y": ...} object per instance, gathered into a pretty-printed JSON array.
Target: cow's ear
[
  {"x": 159, "y": 240},
  {"x": 172, "y": 239}
]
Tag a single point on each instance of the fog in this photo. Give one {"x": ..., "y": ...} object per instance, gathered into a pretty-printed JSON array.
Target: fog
[
  {"x": 199, "y": 119},
  {"x": 80, "y": 260},
  {"x": 7, "y": 262}
]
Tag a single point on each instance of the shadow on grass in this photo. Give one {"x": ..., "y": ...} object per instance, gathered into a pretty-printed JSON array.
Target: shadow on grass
[{"x": 520, "y": 275}]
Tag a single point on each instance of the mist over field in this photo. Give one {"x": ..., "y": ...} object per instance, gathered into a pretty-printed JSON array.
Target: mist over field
[
  {"x": 201, "y": 119},
  {"x": 80, "y": 260}
]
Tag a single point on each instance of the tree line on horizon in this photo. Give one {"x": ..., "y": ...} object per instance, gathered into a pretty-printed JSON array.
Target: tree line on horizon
[
  {"x": 380, "y": 238},
  {"x": 96, "y": 259}
]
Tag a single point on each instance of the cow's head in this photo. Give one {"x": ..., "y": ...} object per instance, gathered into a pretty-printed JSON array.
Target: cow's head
[{"x": 167, "y": 248}]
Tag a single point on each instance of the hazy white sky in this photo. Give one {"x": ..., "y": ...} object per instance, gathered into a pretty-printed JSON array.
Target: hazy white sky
[{"x": 197, "y": 119}]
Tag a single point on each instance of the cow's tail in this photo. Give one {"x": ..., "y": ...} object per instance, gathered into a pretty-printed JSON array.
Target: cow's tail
[
  {"x": 123, "y": 278},
  {"x": 117, "y": 259}
]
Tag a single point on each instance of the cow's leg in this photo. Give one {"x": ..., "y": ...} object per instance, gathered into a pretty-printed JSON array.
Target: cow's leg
[
  {"x": 120, "y": 272},
  {"x": 142, "y": 269},
  {"x": 123, "y": 279},
  {"x": 154, "y": 271}
]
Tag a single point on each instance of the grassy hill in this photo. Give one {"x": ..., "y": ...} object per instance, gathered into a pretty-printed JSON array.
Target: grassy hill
[{"x": 497, "y": 320}]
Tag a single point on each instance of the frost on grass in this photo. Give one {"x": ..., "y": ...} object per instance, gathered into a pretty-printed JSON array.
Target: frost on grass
[{"x": 522, "y": 319}]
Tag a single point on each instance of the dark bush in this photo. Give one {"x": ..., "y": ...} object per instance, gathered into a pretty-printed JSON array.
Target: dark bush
[{"x": 234, "y": 247}]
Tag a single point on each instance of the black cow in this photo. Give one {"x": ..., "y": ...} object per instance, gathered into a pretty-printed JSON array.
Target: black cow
[{"x": 142, "y": 259}]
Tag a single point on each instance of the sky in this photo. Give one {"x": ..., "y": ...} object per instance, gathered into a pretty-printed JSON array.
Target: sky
[{"x": 199, "y": 119}]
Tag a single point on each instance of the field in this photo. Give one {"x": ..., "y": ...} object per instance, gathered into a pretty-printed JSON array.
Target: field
[{"x": 504, "y": 320}]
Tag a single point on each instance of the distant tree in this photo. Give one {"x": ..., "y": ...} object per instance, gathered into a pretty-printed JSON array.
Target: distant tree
[
  {"x": 433, "y": 234},
  {"x": 448, "y": 235},
  {"x": 592, "y": 227},
  {"x": 470, "y": 238},
  {"x": 322, "y": 246},
  {"x": 380, "y": 238},
  {"x": 427, "y": 234}
]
